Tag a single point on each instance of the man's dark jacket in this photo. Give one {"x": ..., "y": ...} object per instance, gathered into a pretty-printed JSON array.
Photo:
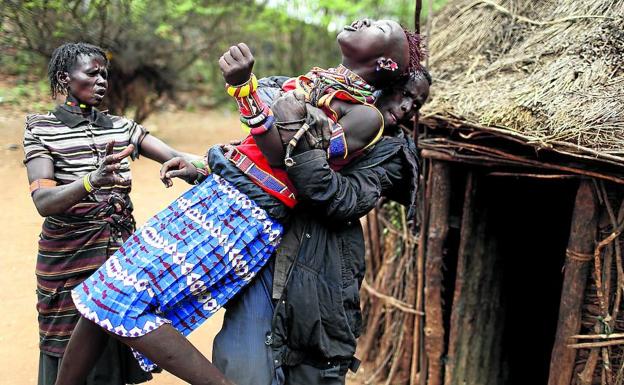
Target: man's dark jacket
[{"x": 318, "y": 316}]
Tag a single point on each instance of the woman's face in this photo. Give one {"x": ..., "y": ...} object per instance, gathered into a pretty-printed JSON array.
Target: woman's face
[
  {"x": 399, "y": 104},
  {"x": 365, "y": 40},
  {"x": 88, "y": 80}
]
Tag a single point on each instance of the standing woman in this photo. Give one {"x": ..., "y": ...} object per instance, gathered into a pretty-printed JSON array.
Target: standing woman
[{"x": 79, "y": 175}]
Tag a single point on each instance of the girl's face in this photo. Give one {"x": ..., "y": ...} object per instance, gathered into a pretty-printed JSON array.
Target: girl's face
[
  {"x": 399, "y": 104},
  {"x": 365, "y": 41},
  {"x": 88, "y": 80}
]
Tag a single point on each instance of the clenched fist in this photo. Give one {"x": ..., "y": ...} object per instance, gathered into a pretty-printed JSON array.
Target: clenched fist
[{"x": 236, "y": 64}]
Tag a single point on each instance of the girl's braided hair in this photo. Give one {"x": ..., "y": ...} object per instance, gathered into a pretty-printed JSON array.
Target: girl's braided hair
[
  {"x": 64, "y": 58},
  {"x": 417, "y": 51}
]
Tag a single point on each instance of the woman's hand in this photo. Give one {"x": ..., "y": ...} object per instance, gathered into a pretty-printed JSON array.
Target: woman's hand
[
  {"x": 106, "y": 174},
  {"x": 236, "y": 64},
  {"x": 178, "y": 167}
]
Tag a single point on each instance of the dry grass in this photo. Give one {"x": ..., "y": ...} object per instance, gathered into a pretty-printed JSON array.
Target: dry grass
[{"x": 551, "y": 71}]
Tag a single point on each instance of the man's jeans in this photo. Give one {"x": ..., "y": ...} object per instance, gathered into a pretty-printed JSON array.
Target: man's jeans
[{"x": 239, "y": 349}]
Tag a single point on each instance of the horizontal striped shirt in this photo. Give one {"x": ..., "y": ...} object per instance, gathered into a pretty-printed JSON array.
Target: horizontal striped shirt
[
  {"x": 76, "y": 145},
  {"x": 74, "y": 244}
]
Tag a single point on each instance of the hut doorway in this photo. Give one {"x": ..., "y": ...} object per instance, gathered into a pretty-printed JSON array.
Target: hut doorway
[
  {"x": 533, "y": 222},
  {"x": 512, "y": 263}
]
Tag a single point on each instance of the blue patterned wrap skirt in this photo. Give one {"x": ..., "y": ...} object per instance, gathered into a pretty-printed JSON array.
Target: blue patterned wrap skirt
[{"x": 183, "y": 265}]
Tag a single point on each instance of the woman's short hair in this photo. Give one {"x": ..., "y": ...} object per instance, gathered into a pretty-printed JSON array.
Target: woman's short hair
[{"x": 65, "y": 57}]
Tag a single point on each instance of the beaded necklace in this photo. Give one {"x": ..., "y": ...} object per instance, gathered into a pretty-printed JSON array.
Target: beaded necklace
[
  {"x": 340, "y": 81},
  {"x": 74, "y": 104}
]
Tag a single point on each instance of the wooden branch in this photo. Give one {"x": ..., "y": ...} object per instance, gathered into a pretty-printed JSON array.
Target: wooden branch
[
  {"x": 619, "y": 269},
  {"x": 597, "y": 262},
  {"x": 437, "y": 233},
  {"x": 391, "y": 301},
  {"x": 417, "y": 13},
  {"x": 376, "y": 310},
  {"x": 468, "y": 213},
  {"x": 588, "y": 345},
  {"x": 374, "y": 236},
  {"x": 425, "y": 196},
  {"x": 530, "y": 175},
  {"x": 597, "y": 336},
  {"x": 586, "y": 375},
  {"x": 581, "y": 241},
  {"x": 409, "y": 292},
  {"x": 397, "y": 354},
  {"x": 518, "y": 161}
]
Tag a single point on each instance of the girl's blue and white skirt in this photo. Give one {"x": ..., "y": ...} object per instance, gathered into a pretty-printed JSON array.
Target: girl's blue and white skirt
[{"x": 183, "y": 265}]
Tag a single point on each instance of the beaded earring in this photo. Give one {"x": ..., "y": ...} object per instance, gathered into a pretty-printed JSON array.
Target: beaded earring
[{"x": 386, "y": 64}]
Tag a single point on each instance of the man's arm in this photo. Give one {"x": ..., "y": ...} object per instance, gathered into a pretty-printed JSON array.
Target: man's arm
[{"x": 346, "y": 196}]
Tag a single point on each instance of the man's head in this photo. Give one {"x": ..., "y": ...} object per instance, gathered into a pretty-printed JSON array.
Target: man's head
[
  {"x": 379, "y": 51},
  {"x": 79, "y": 70},
  {"x": 400, "y": 102}
]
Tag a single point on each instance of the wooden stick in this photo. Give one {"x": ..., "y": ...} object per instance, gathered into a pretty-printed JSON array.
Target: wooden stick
[
  {"x": 597, "y": 262},
  {"x": 397, "y": 354},
  {"x": 585, "y": 377},
  {"x": 391, "y": 301},
  {"x": 597, "y": 336},
  {"x": 522, "y": 162},
  {"x": 429, "y": 23},
  {"x": 436, "y": 239},
  {"x": 409, "y": 293},
  {"x": 375, "y": 314},
  {"x": 619, "y": 269},
  {"x": 417, "y": 16},
  {"x": 420, "y": 276},
  {"x": 502, "y": 155},
  {"x": 374, "y": 236},
  {"x": 537, "y": 176},
  {"x": 466, "y": 232},
  {"x": 582, "y": 237},
  {"x": 586, "y": 345}
]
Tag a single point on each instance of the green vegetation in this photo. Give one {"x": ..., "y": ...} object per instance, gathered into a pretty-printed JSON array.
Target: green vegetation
[{"x": 159, "y": 48}]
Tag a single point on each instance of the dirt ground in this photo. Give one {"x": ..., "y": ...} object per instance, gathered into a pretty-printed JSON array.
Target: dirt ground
[{"x": 20, "y": 226}]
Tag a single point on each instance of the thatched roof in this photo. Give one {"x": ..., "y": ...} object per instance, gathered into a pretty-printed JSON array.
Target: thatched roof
[{"x": 548, "y": 72}]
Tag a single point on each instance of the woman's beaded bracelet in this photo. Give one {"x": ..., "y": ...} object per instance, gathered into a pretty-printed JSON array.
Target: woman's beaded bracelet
[
  {"x": 86, "y": 182},
  {"x": 264, "y": 127},
  {"x": 243, "y": 90},
  {"x": 258, "y": 119}
]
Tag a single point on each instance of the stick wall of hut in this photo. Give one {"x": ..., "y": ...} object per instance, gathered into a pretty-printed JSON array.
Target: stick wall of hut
[
  {"x": 578, "y": 256},
  {"x": 475, "y": 333},
  {"x": 436, "y": 240}
]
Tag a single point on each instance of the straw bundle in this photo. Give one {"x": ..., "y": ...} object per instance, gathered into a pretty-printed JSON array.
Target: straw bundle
[{"x": 550, "y": 72}]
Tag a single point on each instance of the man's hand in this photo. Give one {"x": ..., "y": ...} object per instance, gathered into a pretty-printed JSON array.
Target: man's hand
[
  {"x": 320, "y": 127},
  {"x": 178, "y": 167},
  {"x": 106, "y": 174},
  {"x": 236, "y": 64},
  {"x": 289, "y": 107},
  {"x": 290, "y": 113}
]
